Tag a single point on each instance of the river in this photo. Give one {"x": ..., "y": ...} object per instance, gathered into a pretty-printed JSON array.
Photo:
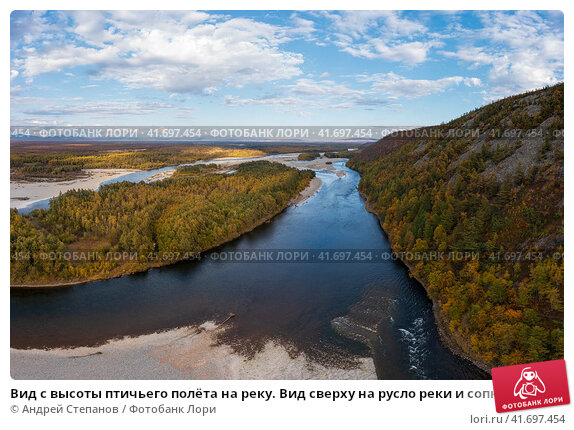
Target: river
[{"x": 331, "y": 312}]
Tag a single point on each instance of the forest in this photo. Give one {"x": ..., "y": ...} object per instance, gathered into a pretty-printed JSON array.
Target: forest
[
  {"x": 497, "y": 195},
  {"x": 308, "y": 156},
  {"x": 146, "y": 224},
  {"x": 340, "y": 154},
  {"x": 41, "y": 164}
]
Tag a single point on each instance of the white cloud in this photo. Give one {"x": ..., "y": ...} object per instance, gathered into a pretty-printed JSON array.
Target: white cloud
[
  {"x": 37, "y": 121},
  {"x": 90, "y": 26},
  {"x": 323, "y": 94},
  {"x": 209, "y": 90},
  {"x": 282, "y": 101},
  {"x": 382, "y": 90},
  {"x": 521, "y": 50},
  {"x": 101, "y": 109},
  {"x": 472, "y": 82},
  {"x": 309, "y": 87},
  {"x": 184, "y": 53},
  {"x": 302, "y": 27},
  {"x": 56, "y": 58},
  {"x": 27, "y": 26},
  {"x": 295, "y": 104},
  {"x": 409, "y": 52},
  {"x": 381, "y": 35},
  {"x": 173, "y": 53},
  {"x": 473, "y": 55},
  {"x": 358, "y": 23},
  {"x": 399, "y": 86},
  {"x": 355, "y": 23}
]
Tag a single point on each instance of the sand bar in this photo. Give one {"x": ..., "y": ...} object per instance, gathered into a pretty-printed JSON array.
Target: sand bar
[
  {"x": 184, "y": 353},
  {"x": 23, "y": 194},
  {"x": 309, "y": 191},
  {"x": 289, "y": 159},
  {"x": 322, "y": 163}
]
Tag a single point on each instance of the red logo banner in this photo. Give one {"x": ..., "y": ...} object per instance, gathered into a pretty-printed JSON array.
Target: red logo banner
[{"x": 529, "y": 386}]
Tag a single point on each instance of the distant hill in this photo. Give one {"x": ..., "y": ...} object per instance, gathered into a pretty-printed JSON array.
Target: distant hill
[{"x": 489, "y": 184}]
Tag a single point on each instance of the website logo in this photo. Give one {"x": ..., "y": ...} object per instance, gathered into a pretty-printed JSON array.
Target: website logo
[{"x": 528, "y": 386}]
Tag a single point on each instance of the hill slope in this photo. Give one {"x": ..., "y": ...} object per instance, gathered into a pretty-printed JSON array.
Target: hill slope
[{"x": 475, "y": 209}]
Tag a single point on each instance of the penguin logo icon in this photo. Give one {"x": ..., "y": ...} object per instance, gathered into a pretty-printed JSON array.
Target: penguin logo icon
[{"x": 529, "y": 384}]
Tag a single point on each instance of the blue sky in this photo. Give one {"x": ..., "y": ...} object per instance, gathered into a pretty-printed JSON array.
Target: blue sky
[{"x": 275, "y": 67}]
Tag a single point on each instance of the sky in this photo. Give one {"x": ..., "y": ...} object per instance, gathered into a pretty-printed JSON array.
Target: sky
[{"x": 204, "y": 68}]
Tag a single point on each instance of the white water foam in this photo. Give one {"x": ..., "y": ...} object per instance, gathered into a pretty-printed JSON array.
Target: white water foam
[{"x": 416, "y": 340}]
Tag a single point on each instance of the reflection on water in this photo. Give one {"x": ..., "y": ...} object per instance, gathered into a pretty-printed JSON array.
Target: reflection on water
[{"x": 332, "y": 312}]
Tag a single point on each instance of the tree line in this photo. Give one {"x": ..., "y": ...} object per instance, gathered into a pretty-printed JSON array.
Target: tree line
[
  {"x": 160, "y": 222},
  {"x": 433, "y": 194},
  {"x": 39, "y": 165}
]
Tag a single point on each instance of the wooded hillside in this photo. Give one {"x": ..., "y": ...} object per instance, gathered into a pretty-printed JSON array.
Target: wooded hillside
[{"x": 489, "y": 184}]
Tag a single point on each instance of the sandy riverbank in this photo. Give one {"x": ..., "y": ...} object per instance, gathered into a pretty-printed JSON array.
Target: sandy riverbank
[
  {"x": 184, "y": 353},
  {"x": 310, "y": 190},
  {"x": 292, "y": 160},
  {"x": 322, "y": 163},
  {"x": 23, "y": 194},
  {"x": 289, "y": 159},
  {"x": 226, "y": 165}
]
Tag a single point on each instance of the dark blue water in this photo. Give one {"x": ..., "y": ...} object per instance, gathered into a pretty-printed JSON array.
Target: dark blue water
[{"x": 331, "y": 312}]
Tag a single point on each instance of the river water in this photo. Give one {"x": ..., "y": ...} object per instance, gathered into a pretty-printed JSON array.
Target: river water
[{"x": 333, "y": 312}]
